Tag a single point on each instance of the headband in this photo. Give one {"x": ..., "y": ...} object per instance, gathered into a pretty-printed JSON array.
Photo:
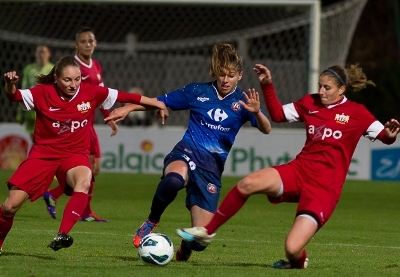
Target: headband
[{"x": 337, "y": 75}]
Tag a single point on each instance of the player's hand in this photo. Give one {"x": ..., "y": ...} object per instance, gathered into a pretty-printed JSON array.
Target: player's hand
[
  {"x": 162, "y": 114},
  {"x": 11, "y": 77},
  {"x": 114, "y": 127},
  {"x": 264, "y": 75},
  {"x": 252, "y": 103},
  {"x": 392, "y": 128},
  {"x": 118, "y": 114}
]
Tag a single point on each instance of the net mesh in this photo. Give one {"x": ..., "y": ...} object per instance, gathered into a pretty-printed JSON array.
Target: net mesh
[{"x": 162, "y": 47}]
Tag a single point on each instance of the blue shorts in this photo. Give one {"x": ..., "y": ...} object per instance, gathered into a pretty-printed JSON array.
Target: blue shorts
[{"x": 203, "y": 187}]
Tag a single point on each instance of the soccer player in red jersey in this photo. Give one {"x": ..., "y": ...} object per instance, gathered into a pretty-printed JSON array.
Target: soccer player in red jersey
[
  {"x": 91, "y": 70},
  {"x": 314, "y": 179},
  {"x": 65, "y": 108}
]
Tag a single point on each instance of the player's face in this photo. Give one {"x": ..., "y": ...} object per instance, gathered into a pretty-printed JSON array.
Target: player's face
[
  {"x": 227, "y": 81},
  {"x": 85, "y": 44},
  {"x": 69, "y": 81},
  {"x": 329, "y": 91},
  {"x": 42, "y": 55}
]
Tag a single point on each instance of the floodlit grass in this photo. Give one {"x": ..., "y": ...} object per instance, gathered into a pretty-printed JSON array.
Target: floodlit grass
[{"x": 362, "y": 237}]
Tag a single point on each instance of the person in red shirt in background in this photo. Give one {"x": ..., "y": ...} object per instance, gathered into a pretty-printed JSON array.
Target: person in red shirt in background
[
  {"x": 92, "y": 73},
  {"x": 315, "y": 178},
  {"x": 65, "y": 108}
]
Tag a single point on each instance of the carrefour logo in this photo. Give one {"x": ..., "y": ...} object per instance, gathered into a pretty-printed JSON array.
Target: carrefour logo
[{"x": 217, "y": 115}]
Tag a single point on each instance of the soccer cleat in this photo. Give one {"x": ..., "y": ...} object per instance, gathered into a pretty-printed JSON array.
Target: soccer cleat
[
  {"x": 183, "y": 255},
  {"x": 144, "y": 229},
  {"x": 50, "y": 203},
  {"x": 61, "y": 240},
  {"x": 282, "y": 264},
  {"x": 93, "y": 218},
  {"x": 196, "y": 234}
]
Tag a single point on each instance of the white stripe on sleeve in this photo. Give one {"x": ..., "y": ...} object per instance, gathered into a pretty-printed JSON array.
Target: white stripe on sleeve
[
  {"x": 111, "y": 98},
  {"x": 373, "y": 130},
  {"x": 27, "y": 99},
  {"x": 290, "y": 112}
]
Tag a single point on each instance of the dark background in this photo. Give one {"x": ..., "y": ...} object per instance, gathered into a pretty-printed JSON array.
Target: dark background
[{"x": 376, "y": 48}]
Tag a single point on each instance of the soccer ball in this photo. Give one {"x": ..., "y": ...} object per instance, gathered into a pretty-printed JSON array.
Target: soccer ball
[{"x": 156, "y": 248}]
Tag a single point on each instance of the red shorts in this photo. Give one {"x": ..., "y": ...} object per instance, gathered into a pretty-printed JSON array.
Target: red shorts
[
  {"x": 312, "y": 194},
  {"x": 34, "y": 176},
  {"x": 94, "y": 147}
]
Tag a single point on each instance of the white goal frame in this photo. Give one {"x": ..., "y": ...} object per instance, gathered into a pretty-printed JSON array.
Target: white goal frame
[{"x": 315, "y": 22}]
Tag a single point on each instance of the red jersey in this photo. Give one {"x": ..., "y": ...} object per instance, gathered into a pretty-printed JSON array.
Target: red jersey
[
  {"x": 92, "y": 73},
  {"x": 62, "y": 125},
  {"x": 333, "y": 132}
]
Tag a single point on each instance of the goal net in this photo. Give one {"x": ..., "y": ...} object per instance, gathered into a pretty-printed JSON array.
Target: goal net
[{"x": 163, "y": 46}]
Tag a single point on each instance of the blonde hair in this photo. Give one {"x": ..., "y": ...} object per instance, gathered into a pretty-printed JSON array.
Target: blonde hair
[
  {"x": 225, "y": 56},
  {"x": 353, "y": 77}
]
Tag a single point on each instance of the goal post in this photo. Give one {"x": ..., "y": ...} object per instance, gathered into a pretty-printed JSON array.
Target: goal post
[{"x": 161, "y": 45}]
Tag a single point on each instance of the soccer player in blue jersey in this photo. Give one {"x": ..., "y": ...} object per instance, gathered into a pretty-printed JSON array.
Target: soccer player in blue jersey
[{"x": 218, "y": 109}]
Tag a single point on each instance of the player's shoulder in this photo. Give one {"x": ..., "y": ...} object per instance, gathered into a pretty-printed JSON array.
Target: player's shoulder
[
  {"x": 198, "y": 88},
  {"x": 96, "y": 63}
]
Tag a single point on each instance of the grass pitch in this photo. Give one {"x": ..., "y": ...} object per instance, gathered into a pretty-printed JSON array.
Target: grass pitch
[{"x": 362, "y": 238}]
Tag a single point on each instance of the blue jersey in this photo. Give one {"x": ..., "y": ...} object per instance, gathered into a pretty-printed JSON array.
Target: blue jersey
[{"x": 213, "y": 122}]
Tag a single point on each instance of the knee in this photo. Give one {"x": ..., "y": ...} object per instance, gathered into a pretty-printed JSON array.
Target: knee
[
  {"x": 10, "y": 208},
  {"x": 172, "y": 182},
  {"x": 246, "y": 185},
  {"x": 82, "y": 186},
  {"x": 293, "y": 251},
  {"x": 95, "y": 171}
]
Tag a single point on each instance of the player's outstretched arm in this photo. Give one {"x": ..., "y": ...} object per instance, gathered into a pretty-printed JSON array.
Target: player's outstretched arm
[
  {"x": 252, "y": 105},
  {"x": 264, "y": 75},
  {"x": 120, "y": 113},
  {"x": 11, "y": 78}
]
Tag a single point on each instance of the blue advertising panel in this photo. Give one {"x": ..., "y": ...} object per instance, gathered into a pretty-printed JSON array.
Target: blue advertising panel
[{"x": 385, "y": 164}]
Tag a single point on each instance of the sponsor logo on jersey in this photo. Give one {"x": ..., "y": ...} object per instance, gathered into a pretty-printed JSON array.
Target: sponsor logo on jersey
[
  {"x": 54, "y": 109},
  {"x": 84, "y": 107},
  {"x": 212, "y": 188},
  {"x": 342, "y": 119},
  {"x": 322, "y": 132},
  {"x": 217, "y": 115},
  {"x": 69, "y": 125},
  {"x": 85, "y": 77},
  {"x": 312, "y": 112},
  {"x": 202, "y": 99},
  {"x": 235, "y": 106},
  {"x": 215, "y": 127}
]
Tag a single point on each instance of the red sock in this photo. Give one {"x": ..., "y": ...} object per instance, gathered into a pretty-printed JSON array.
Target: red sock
[
  {"x": 6, "y": 222},
  {"x": 73, "y": 211},
  {"x": 299, "y": 263},
  {"x": 88, "y": 208},
  {"x": 231, "y": 204},
  {"x": 56, "y": 192}
]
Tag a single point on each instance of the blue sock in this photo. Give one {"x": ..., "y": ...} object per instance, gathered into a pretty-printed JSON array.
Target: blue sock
[{"x": 166, "y": 192}]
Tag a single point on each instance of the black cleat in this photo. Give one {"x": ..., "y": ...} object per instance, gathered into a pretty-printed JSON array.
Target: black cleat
[{"x": 61, "y": 240}]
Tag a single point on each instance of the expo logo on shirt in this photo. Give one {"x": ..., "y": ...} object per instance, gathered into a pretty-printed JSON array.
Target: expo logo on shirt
[
  {"x": 322, "y": 132},
  {"x": 69, "y": 125}
]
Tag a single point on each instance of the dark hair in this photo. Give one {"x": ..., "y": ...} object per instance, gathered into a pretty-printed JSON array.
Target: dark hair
[
  {"x": 83, "y": 30},
  {"x": 352, "y": 78},
  {"x": 57, "y": 70},
  {"x": 225, "y": 56}
]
